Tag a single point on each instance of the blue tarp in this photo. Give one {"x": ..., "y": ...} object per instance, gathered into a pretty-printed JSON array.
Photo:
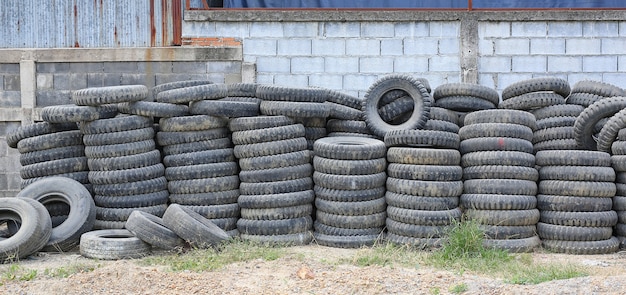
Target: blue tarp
[{"x": 424, "y": 4}]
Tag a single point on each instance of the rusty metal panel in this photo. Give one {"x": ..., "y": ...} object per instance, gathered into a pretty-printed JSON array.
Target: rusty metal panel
[{"x": 84, "y": 23}]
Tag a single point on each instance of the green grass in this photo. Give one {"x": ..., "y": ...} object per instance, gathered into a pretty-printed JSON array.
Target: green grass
[
  {"x": 386, "y": 254},
  {"x": 458, "y": 289},
  {"x": 198, "y": 260},
  {"x": 15, "y": 272},
  {"x": 66, "y": 271}
]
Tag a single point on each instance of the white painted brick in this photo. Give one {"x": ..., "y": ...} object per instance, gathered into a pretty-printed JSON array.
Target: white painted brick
[
  {"x": 485, "y": 47},
  {"x": 265, "y": 78},
  {"x": 444, "y": 64},
  {"x": 326, "y": 81},
  {"x": 391, "y": 47},
  {"x": 420, "y": 46},
  {"x": 453, "y": 78},
  {"x": 273, "y": 65},
  {"x": 45, "y": 81},
  {"x": 198, "y": 29},
  {"x": 599, "y": 64},
  {"x": 342, "y": 29},
  {"x": 329, "y": 47},
  {"x": 444, "y": 29},
  {"x": 494, "y": 29},
  {"x": 299, "y": 29},
  {"x": 358, "y": 82},
  {"x": 377, "y": 29},
  {"x": 507, "y": 79},
  {"x": 572, "y": 78},
  {"x": 529, "y": 29},
  {"x": 617, "y": 79},
  {"x": 547, "y": 46},
  {"x": 449, "y": 46},
  {"x": 411, "y": 29},
  {"x": 622, "y": 28},
  {"x": 600, "y": 29},
  {"x": 259, "y": 47},
  {"x": 613, "y": 46},
  {"x": 249, "y": 58},
  {"x": 494, "y": 64},
  {"x": 307, "y": 65},
  {"x": 376, "y": 65},
  {"x": 292, "y": 80},
  {"x": 434, "y": 79},
  {"x": 294, "y": 47},
  {"x": 582, "y": 46},
  {"x": 410, "y": 64},
  {"x": 621, "y": 63},
  {"x": 512, "y": 46},
  {"x": 487, "y": 80},
  {"x": 529, "y": 64},
  {"x": 565, "y": 29},
  {"x": 564, "y": 64},
  {"x": 232, "y": 29},
  {"x": 266, "y": 29},
  {"x": 341, "y": 64},
  {"x": 362, "y": 47},
  {"x": 555, "y": 75}
]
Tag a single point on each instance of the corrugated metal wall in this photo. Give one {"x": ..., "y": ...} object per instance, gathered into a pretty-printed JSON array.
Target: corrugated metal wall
[{"x": 84, "y": 23}]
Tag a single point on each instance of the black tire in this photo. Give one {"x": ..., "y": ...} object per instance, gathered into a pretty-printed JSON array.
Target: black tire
[
  {"x": 268, "y": 134},
  {"x": 50, "y": 141},
  {"x": 275, "y": 161},
  {"x": 192, "y": 227},
  {"x": 597, "y": 88},
  {"x": 413, "y": 88},
  {"x": 191, "y": 123},
  {"x": 465, "y": 103},
  {"x": 338, "y": 231},
  {"x": 586, "y": 121},
  {"x": 344, "y": 99},
  {"x": 36, "y": 129},
  {"x": 203, "y": 185},
  {"x": 223, "y": 108},
  {"x": 579, "y": 173},
  {"x": 440, "y": 125},
  {"x": 178, "y": 137},
  {"x": 150, "y": 229},
  {"x": 466, "y": 89},
  {"x": 201, "y": 171},
  {"x": 199, "y": 158},
  {"x": 258, "y": 122},
  {"x": 276, "y": 187},
  {"x": 212, "y": 212},
  {"x": 554, "y": 133},
  {"x": 126, "y": 175},
  {"x": 81, "y": 176},
  {"x": 335, "y": 125},
  {"x": 618, "y": 163},
  {"x": 552, "y": 122},
  {"x": 54, "y": 167},
  {"x": 503, "y": 217},
  {"x": 197, "y": 146},
  {"x": 132, "y": 201},
  {"x": 609, "y": 131},
  {"x": 97, "y": 96},
  {"x": 503, "y": 158},
  {"x": 112, "y": 244},
  {"x": 349, "y": 148},
  {"x": 178, "y": 84},
  {"x": 573, "y": 158},
  {"x": 548, "y": 231},
  {"x": 415, "y": 231},
  {"x": 500, "y": 172},
  {"x": 502, "y": 232},
  {"x": 34, "y": 231},
  {"x": 421, "y": 203},
  {"x": 352, "y": 221},
  {"x": 479, "y": 144},
  {"x": 270, "y": 148},
  {"x": 119, "y": 150},
  {"x": 345, "y": 241},
  {"x": 619, "y": 203},
  {"x": 419, "y": 243},
  {"x": 424, "y": 217},
  {"x": 276, "y": 200},
  {"x": 242, "y": 89},
  {"x": 297, "y": 239},
  {"x": 577, "y": 188},
  {"x": 582, "y": 247},
  {"x": 339, "y": 111},
  {"x": 423, "y": 156},
  {"x": 618, "y": 147},
  {"x": 590, "y": 219},
  {"x": 294, "y": 94},
  {"x": 501, "y": 116},
  {"x": 295, "y": 109},
  {"x": 500, "y": 186},
  {"x": 349, "y": 167},
  {"x": 495, "y": 130},
  {"x": 564, "y": 110},
  {"x": 117, "y": 124},
  {"x": 422, "y": 138},
  {"x": 425, "y": 172},
  {"x": 348, "y": 195},
  {"x": 532, "y": 101},
  {"x": 143, "y": 186},
  {"x": 193, "y": 93},
  {"x": 276, "y": 174},
  {"x": 121, "y": 137},
  {"x": 397, "y": 109},
  {"x": 498, "y": 202},
  {"x": 153, "y": 109},
  {"x": 558, "y": 85},
  {"x": 349, "y": 182},
  {"x": 206, "y": 199},
  {"x": 121, "y": 214},
  {"x": 351, "y": 208},
  {"x": 573, "y": 204},
  {"x": 274, "y": 227},
  {"x": 106, "y": 224},
  {"x": 72, "y": 113},
  {"x": 287, "y": 212},
  {"x": 556, "y": 144},
  {"x": 583, "y": 99},
  {"x": 425, "y": 188},
  {"x": 125, "y": 162},
  {"x": 513, "y": 245}
]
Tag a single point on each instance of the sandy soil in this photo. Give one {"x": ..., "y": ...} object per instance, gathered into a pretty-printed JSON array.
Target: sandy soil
[{"x": 318, "y": 275}]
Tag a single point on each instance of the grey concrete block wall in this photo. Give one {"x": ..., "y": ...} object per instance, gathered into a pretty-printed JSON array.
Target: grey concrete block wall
[{"x": 347, "y": 56}]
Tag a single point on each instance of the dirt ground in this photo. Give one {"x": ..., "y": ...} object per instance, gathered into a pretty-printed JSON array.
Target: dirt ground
[{"x": 607, "y": 276}]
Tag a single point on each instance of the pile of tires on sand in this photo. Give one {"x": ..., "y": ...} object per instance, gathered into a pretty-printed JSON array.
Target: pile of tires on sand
[{"x": 193, "y": 164}]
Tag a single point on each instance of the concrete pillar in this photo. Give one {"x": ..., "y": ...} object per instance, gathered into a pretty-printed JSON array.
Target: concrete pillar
[{"x": 28, "y": 86}]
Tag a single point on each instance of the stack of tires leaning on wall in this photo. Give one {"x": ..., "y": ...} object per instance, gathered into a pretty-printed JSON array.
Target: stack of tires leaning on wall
[{"x": 193, "y": 163}]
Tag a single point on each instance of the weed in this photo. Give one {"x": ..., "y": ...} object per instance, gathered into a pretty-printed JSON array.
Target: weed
[
  {"x": 459, "y": 288},
  {"x": 66, "y": 271},
  {"x": 435, "y": 291},
  {"x": 385, "y": 254}
]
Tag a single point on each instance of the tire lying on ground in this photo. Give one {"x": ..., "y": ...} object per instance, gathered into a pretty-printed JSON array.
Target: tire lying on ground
[
  {"x": 198, "y": 231},
  {"x": 35, "y": 228},
  {"x": 82, "y": 213},
  {"x": 112, "y": 244},
  {"x": 151, "y": 229}
]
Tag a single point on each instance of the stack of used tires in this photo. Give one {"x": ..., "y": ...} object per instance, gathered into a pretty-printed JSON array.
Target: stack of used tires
[
  {"x": 349, "y": 189},
  {"x": 464, "y": 98},
  {"x": 575, "y": 198},
  {"x": 618, "y": 161},
  {"x": 499, "y": 191},
  {"x": 441, "y": 119},
  {"x": 276, "y": 186},
  {"x": 586, "y": 93},
  {"x": 423, "y": 186},
  {"x": 346, "y": 117},
  {"x": 396, "y": 106},
  {"x": 124, "y": 165},
  {"x": 562, "y": 117},
  {"x": 598, "y": 113}
]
